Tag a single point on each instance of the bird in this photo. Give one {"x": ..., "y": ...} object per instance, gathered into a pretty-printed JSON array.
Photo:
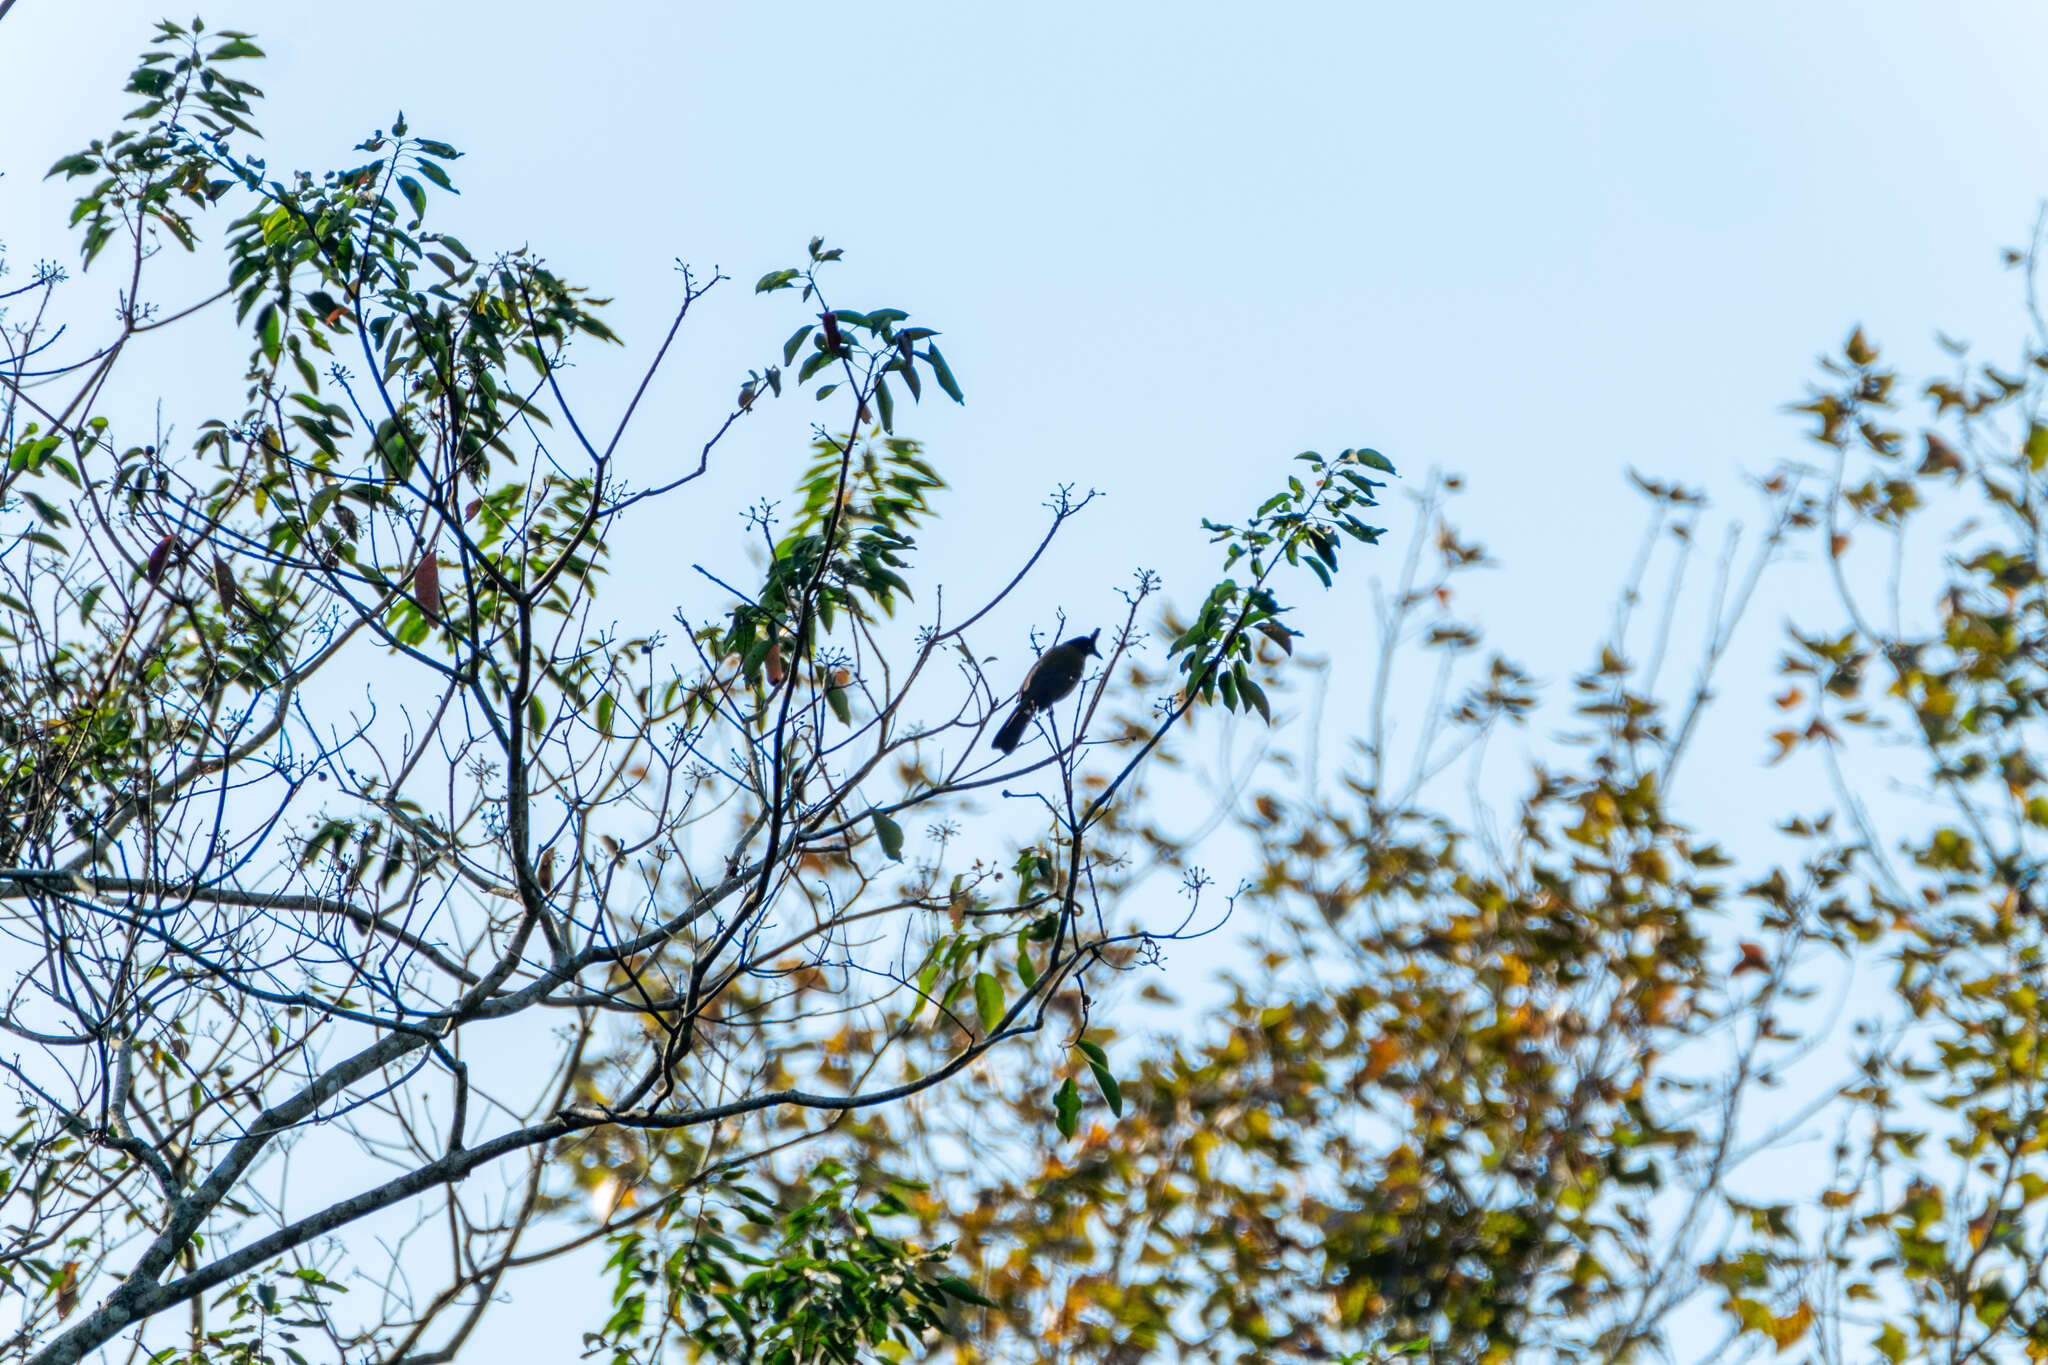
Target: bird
[{"x": 1056, "y": 673}]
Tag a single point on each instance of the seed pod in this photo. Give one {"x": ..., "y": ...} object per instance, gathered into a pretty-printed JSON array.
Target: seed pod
[
  {"x": 426, "y": 584},
  {"x": 160, "y": 559},
  {"x": 224, "y": 583},
  {"x": 830, "y": 322},
  {"x": 545, "y": 872}
]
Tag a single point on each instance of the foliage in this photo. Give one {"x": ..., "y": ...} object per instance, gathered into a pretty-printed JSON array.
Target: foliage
[
  {"x": 336, "y": 817},
  {"x": 1550, "y": 1074},
  {"x": 333, "y": 814},
  {"x": 830, "y": 1287},
  {"x": 1443, "y": 1113}
]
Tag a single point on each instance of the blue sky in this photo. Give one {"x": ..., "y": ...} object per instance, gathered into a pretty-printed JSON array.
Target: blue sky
[{"x": 1169, "y": 246}]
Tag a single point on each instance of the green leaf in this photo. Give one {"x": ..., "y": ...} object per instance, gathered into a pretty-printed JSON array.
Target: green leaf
[
  {"x": 965, "y": 1292},
  {"x": 605, "y": 706},
  {"x": 943, "y": 373},
  {"x": 887, "y": 403},
  {"x": 1066, "y": 1104},
  {"x": 415, "y": 196},
  {"x": 1253, "y": 694},
  {"x": 891, "y": 836},
  {"x": 1111, "y": 1091},
  {"x": 796, "y": 339},
  {"x": 927, "y": 979},
  {"x": 270, "y": 328},
  {"x": 1098, "y": 1063},
  {"x": 775, "y": 279},
  {"x": 1372, "y": 459},
  {"x": 988, "y": 1001},
  {"x": 841, "y": 704},
  {"x": 321, "y": 502},
  {"x": 437, "y": 175}
]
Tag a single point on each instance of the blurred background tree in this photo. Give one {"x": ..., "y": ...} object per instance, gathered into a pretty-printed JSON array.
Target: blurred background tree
[{"x": 1518, "y": 1066}]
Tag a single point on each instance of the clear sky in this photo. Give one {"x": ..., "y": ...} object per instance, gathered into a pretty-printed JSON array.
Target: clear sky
[{"x": 1170, "y": 245}]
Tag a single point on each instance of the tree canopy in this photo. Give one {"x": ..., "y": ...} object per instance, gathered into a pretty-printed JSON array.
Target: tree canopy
[
  {"x": 322, "y": 766},
  {"x": 386, "y": 920}
]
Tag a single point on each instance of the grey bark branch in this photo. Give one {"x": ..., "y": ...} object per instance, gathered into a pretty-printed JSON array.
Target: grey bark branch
[{"x": 16, "y": 882}]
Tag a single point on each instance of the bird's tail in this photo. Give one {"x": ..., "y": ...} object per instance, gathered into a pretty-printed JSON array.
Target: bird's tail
[{"x": 1012, "y": 732}]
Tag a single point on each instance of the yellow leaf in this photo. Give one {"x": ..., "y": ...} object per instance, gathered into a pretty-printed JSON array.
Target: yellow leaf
[{"x": 1787, "y": 1330}]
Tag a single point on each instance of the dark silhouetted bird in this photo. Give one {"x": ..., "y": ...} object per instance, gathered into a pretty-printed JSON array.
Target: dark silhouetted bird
[{"x": 1055, "y": 674}]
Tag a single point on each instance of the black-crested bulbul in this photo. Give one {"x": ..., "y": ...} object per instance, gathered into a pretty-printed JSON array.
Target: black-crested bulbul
[{"x": 1057, "y": 672}]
